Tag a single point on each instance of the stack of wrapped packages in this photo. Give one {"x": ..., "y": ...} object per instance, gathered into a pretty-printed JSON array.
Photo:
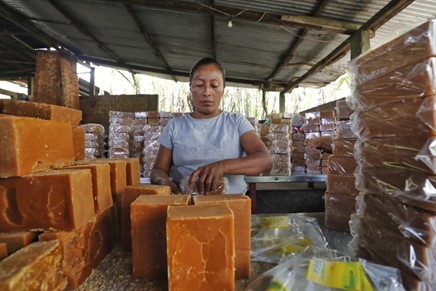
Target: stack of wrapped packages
[
  {"x": 94, "y": 140},
  {"x": 312, "y": 155},
  {"x": 152, "y": 131},
  {"x": 394, "y": 102},
  {"x": 121, "y": 128},
  {"x": 139, "y": 121},
  {"x": 280, "y": 149},
  {"x": 327, "y": 129},
  {"x": 298, "y": 152},
  {"x": 340, "y": 197}
]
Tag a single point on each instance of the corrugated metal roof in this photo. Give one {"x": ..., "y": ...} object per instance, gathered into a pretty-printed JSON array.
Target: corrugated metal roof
[{"x": 165, "y": 38}]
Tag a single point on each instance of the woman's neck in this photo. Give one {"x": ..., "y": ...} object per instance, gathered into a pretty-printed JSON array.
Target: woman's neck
[{"x": 199, "y": 115}]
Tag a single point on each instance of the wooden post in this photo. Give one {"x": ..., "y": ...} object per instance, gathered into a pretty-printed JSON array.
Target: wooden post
[
  {"x": 359, "y": 42},
  {"x": 282, "y": 102}
]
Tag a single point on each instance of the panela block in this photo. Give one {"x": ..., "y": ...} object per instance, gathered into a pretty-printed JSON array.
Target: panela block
[
  {"x": 60, "y": 200},
  {"x": 240, "y": 204},
  {"x": 101, "y": 188},
  {"x": 130, "y": 194},
  {"x": 31, "y": 145},
  {"x": 35, "y": 267},
  {"x": 83, "y": 249},
  {"x": 43, "y": 111},
  {"x": 149, "y": 248},
  {"x": 78, "y": 143},
  {"x": 200, "y": 248},
  {"x": 17, "y": 240}
]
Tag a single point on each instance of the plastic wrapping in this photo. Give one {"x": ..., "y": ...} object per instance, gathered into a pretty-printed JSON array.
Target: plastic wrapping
[
  {"x": 327, "y": 127},
  {"x": 343, "y": 147},
  {"x": 298, "y": 168},
  {"x": 313, "y": 163},
  {"x": 118, "y": 153},
  {"x": 119, "y": 143},
  {"x": 154, "y": 121},
  {"x": 279, "y": 128},
  {"x": 400, "y": 248},
  {"x": 164, "y": 121},
  {"x": 310, "y": 135},
  {"x": 341, "y": 184},
  {"x": 119, "y": 135},
  {"x": 313, "y": 170},
  {"x": 281, "y": 169},
  {"x": 275, "y": 236},
  {"x": 152, "y": 128},
  {"x": 139, "y": 138},
  {"x": 151, "y": 136},
  {"x": 343, "y": 130},
  {"x": 315, "y": 268},
  {"x": 151, "y": 149},
  {"x": 91, "y": 144},
  {"x": 280, "y": 146},
  {"x": 310, "y": 128},
  {"x": 410, "y": 187},
  {"x": 93, "y": 128},
  {"x": 343, "y": 110},
  {"x": 141, "y": 115},
  {"x": 298, "y": 136},
  {"x": 122, "y": 115},
  {"x": 414, "y": 154},
  {"x": 342, "y": 165},
  {"x": 410, "y": 47},
  {"x": 328, "y": 120},
  {"x": 279, "y": 135},
  {"x": 140, "y": 121},
  {"x": 121, "y": 121},
  {"x": 281, "y": 158},
  {"x": 92, "y": 136},
  {"x": 312, "y": 154},
  {"x": 164, "y": 114},
  {"x": 186, "y": 188},
  {"x": 404, "y": 83},
  {"x": 120, "y": 128}
]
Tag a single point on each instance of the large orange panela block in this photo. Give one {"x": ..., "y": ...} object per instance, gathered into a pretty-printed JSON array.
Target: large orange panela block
[
  {"x": 240, "y": 204},
  {"x": 83, "y": 249},
  {"x": 60, "y": 200},
  {"x": 17, "y": 240},
  {"x": 133, "y": 171},
  {"x": 149, "y": 248},
  {"x": 35, "y": 267},
  {"x": 130, "y": 194},
  {"x": 78, "y": 143},
  {"x": 101, "y": 188},
  {"x": 200, "y": 248},
  {"x": 31, "y": 145},
  {"x": 43, "y": 111}
]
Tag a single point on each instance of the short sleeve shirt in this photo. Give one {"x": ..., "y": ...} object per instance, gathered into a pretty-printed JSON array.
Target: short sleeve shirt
[{"x": 196, "y": 142}]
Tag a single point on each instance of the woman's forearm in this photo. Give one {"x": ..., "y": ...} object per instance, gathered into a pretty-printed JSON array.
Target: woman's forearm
[{"x": 251, "y": 165}]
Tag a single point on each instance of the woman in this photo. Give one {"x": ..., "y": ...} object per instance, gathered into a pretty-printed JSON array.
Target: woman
[{"x": 208, "y": 144}]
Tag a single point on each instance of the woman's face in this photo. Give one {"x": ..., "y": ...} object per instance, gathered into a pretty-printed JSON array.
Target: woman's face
[{"x": 207, "y": 88}]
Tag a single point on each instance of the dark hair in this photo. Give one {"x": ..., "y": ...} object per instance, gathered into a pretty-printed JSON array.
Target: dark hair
[{"x": 207, "y": 61}]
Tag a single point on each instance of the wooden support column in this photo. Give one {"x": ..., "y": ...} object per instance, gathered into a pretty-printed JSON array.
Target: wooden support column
[
  {"x": 282, "y": 102},
  {"x": 92, "y": 82},
  {"x": 359, "y": 42},
  {"x": 30, "y": 82}
]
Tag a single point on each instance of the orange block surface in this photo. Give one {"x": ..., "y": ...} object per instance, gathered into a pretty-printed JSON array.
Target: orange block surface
[
  {"x": 78, "y": 143},
  {"x": 118, "y": 174},
  {"x": 30, "y": 145},
  {"x": 240, "y": 204},
  {"x": 43, "y": 111},
  {"x": 200, "y": 248},
  {"x": 85, "y": 248},
  {"x": 35, "y": 267},
  {"x": 101, "y": 188},
  {"x": 17, "y": 240},
  {"x": 3, "y": 251},
  {"x": 130, "y": 194},
  {"x": 60, "y": 200},
  {"x": 149, "y": 248},
  {"x": 133, "y": 171}
]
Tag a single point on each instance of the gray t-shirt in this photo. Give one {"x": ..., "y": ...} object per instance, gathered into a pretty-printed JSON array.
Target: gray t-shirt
[{"x": 196, "y": 142}]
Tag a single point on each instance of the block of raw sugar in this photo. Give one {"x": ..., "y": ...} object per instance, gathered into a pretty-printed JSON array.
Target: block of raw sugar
[
  {"x": 3, "y": 251},
  {"x": 133, "y": 173},
  {"x": 31, "y": 145},
  {"x": 35, "y": 267},
  {"x": 342, "y": 184},
  {"x": 118, "y": 168},
  {"x": 130, "y": 194},
  {"x": 83, "y": 249},
  {"x": 43, "y": 111},
  {"x": 240, "y": 204},
  {"x": 149, "y": 247},
  {"x": 200, "y": 248},
  {"x": 17, "y": 240},
  {"x": 60, "y": 200},
  {"x": 78, "y": 143},
  {"x": 101, "y": 188}
]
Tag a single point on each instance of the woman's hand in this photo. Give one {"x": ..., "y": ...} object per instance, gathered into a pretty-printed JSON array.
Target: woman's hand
[
  {"x": 173, "y": 186},
  {"x": 208, "y": 178}
]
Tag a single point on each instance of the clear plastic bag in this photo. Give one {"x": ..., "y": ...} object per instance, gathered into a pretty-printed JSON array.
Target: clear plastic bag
[
  {"x": 277, "y": 236},
  {"x": 186, "y": 188}
]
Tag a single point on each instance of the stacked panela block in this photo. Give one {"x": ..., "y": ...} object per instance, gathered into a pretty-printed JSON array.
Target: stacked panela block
[
  {"x": 280, "y": 149},
  {"x": 393, "y": 99},
  {"x": 340, "y": 197},
  {"x": 94, "y": 140},
  {"x": 312, "y": 155},
  {"x": 121, "y": 128}
]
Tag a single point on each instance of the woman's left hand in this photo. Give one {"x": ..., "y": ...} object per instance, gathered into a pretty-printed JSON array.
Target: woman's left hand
[{"x": 208, "y": 178}]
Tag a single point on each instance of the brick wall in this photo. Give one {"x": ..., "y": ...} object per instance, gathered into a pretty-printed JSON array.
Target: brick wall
[
  {"x": 56, "y": 81},
  {"x": 96, "y": 108}
]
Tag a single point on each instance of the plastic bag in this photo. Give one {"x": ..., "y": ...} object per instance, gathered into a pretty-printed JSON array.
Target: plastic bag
[
  {"x": 185, "y": 188},
  {"x": 274, "y": 237}
]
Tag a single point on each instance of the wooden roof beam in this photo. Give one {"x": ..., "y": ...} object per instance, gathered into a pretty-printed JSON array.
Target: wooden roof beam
[
  {"x": 381, "y": 17},
  {"x": 222, "y": 11}
]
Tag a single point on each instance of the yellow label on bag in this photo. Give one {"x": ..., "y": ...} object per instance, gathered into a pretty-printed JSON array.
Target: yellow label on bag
[
  {"x": 274, "y": 222},
  {"x": 276, "y": 285},
  {"x": 291, "y": 246},
  {"x": 340, "y": 275}
]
